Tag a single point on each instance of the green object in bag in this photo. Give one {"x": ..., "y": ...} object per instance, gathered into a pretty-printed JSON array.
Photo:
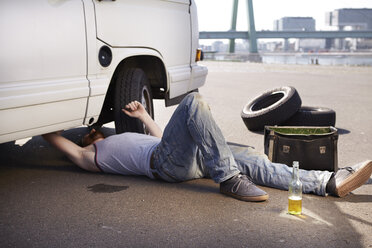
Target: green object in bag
[{"x": 302, "y": 130}]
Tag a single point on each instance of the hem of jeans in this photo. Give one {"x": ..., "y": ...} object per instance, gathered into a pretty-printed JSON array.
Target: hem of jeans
[
  {"x": 324, "y": 185},
  {"x": 227, "y": 177}
]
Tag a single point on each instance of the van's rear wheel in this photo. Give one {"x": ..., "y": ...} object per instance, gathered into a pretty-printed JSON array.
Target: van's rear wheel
[{"x": 132, "y": 85}]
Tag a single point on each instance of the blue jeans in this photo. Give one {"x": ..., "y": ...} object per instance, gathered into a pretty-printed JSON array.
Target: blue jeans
[{"x": 193, "y": 147}]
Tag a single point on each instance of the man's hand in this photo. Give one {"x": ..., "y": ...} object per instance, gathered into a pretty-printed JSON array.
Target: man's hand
[{"x": 135, "y": 109}]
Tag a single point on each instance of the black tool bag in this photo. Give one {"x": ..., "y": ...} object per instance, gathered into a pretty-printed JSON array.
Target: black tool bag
[{"x": 314, "y": 147}]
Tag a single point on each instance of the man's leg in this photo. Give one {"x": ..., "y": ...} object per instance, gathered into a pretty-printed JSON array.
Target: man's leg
[
  {"x": 191, "y": 139},
  {"x": 193, "y": 143},
  {"x": 264, "y": 172}
]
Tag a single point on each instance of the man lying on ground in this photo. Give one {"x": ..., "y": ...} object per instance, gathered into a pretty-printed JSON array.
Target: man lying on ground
[{"x": 192, "y": 147}]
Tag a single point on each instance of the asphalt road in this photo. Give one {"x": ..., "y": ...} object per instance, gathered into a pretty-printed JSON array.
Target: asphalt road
[{"x": 45, "y": 201}]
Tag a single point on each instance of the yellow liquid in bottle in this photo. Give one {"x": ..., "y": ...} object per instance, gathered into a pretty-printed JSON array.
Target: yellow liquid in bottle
[{"x": 294, "y": 205}]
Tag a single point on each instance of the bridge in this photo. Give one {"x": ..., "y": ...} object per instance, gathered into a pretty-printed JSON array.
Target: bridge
[
  {"x": 285, "y": 34},
  {"x": 252, "y": 35}
]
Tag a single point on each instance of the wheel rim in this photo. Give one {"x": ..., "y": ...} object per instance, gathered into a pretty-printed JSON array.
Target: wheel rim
[{"x": 146, "y": 102}]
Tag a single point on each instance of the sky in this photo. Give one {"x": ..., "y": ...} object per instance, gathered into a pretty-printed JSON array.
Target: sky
[{"x": 215, "y": 15}]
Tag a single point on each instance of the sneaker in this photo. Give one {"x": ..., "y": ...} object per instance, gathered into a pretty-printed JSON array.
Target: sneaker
[
  {"x": 242, "y": 188},
  {"x": 347, "y": 179}
]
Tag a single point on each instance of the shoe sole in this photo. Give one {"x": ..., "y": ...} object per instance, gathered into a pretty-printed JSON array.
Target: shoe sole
[
  {"x": 247, "y": 198},
  {"x": 355, "y": 180}
]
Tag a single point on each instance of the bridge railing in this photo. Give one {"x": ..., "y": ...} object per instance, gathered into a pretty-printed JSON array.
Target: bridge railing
[{"x": 285, "y": 34}]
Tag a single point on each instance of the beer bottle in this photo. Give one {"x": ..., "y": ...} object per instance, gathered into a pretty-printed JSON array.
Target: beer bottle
[{"x": 295, "y": 191}]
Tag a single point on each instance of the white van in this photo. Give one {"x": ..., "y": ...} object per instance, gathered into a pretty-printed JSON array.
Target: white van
[{"x": 67, "y": 63}]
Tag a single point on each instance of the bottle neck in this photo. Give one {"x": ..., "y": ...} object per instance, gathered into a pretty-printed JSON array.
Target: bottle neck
[{"x": 296, "y": 169}]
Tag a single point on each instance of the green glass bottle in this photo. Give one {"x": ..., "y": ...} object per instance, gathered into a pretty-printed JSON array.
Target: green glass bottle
[{"x": 295, "y": 191}]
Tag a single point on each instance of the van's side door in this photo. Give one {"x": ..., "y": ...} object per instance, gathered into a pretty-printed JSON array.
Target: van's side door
[{"x": 43, "y": 66}]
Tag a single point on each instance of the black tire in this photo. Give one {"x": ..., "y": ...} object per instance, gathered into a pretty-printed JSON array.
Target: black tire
[
  {"x": 312, "y": 116},
  {"x": 271, "y": 108},
  {"x": 131, "y": 85}
]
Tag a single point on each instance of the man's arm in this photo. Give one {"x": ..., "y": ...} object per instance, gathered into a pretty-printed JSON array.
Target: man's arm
[
  {"x": 82, "y": 157},
  {"x": 136, "y": 110}
]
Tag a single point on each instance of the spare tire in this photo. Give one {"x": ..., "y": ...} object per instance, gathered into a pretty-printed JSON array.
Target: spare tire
[
  {"x": 271, "y": 108},
  {"x": 312, "y": 116}
]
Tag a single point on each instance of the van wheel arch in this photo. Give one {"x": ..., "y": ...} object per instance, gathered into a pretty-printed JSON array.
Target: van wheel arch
[{"x": 155, "y": 72}]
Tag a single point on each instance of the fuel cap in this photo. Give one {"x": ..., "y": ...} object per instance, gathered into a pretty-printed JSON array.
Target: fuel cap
[{"x": 105, "y": 56}]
